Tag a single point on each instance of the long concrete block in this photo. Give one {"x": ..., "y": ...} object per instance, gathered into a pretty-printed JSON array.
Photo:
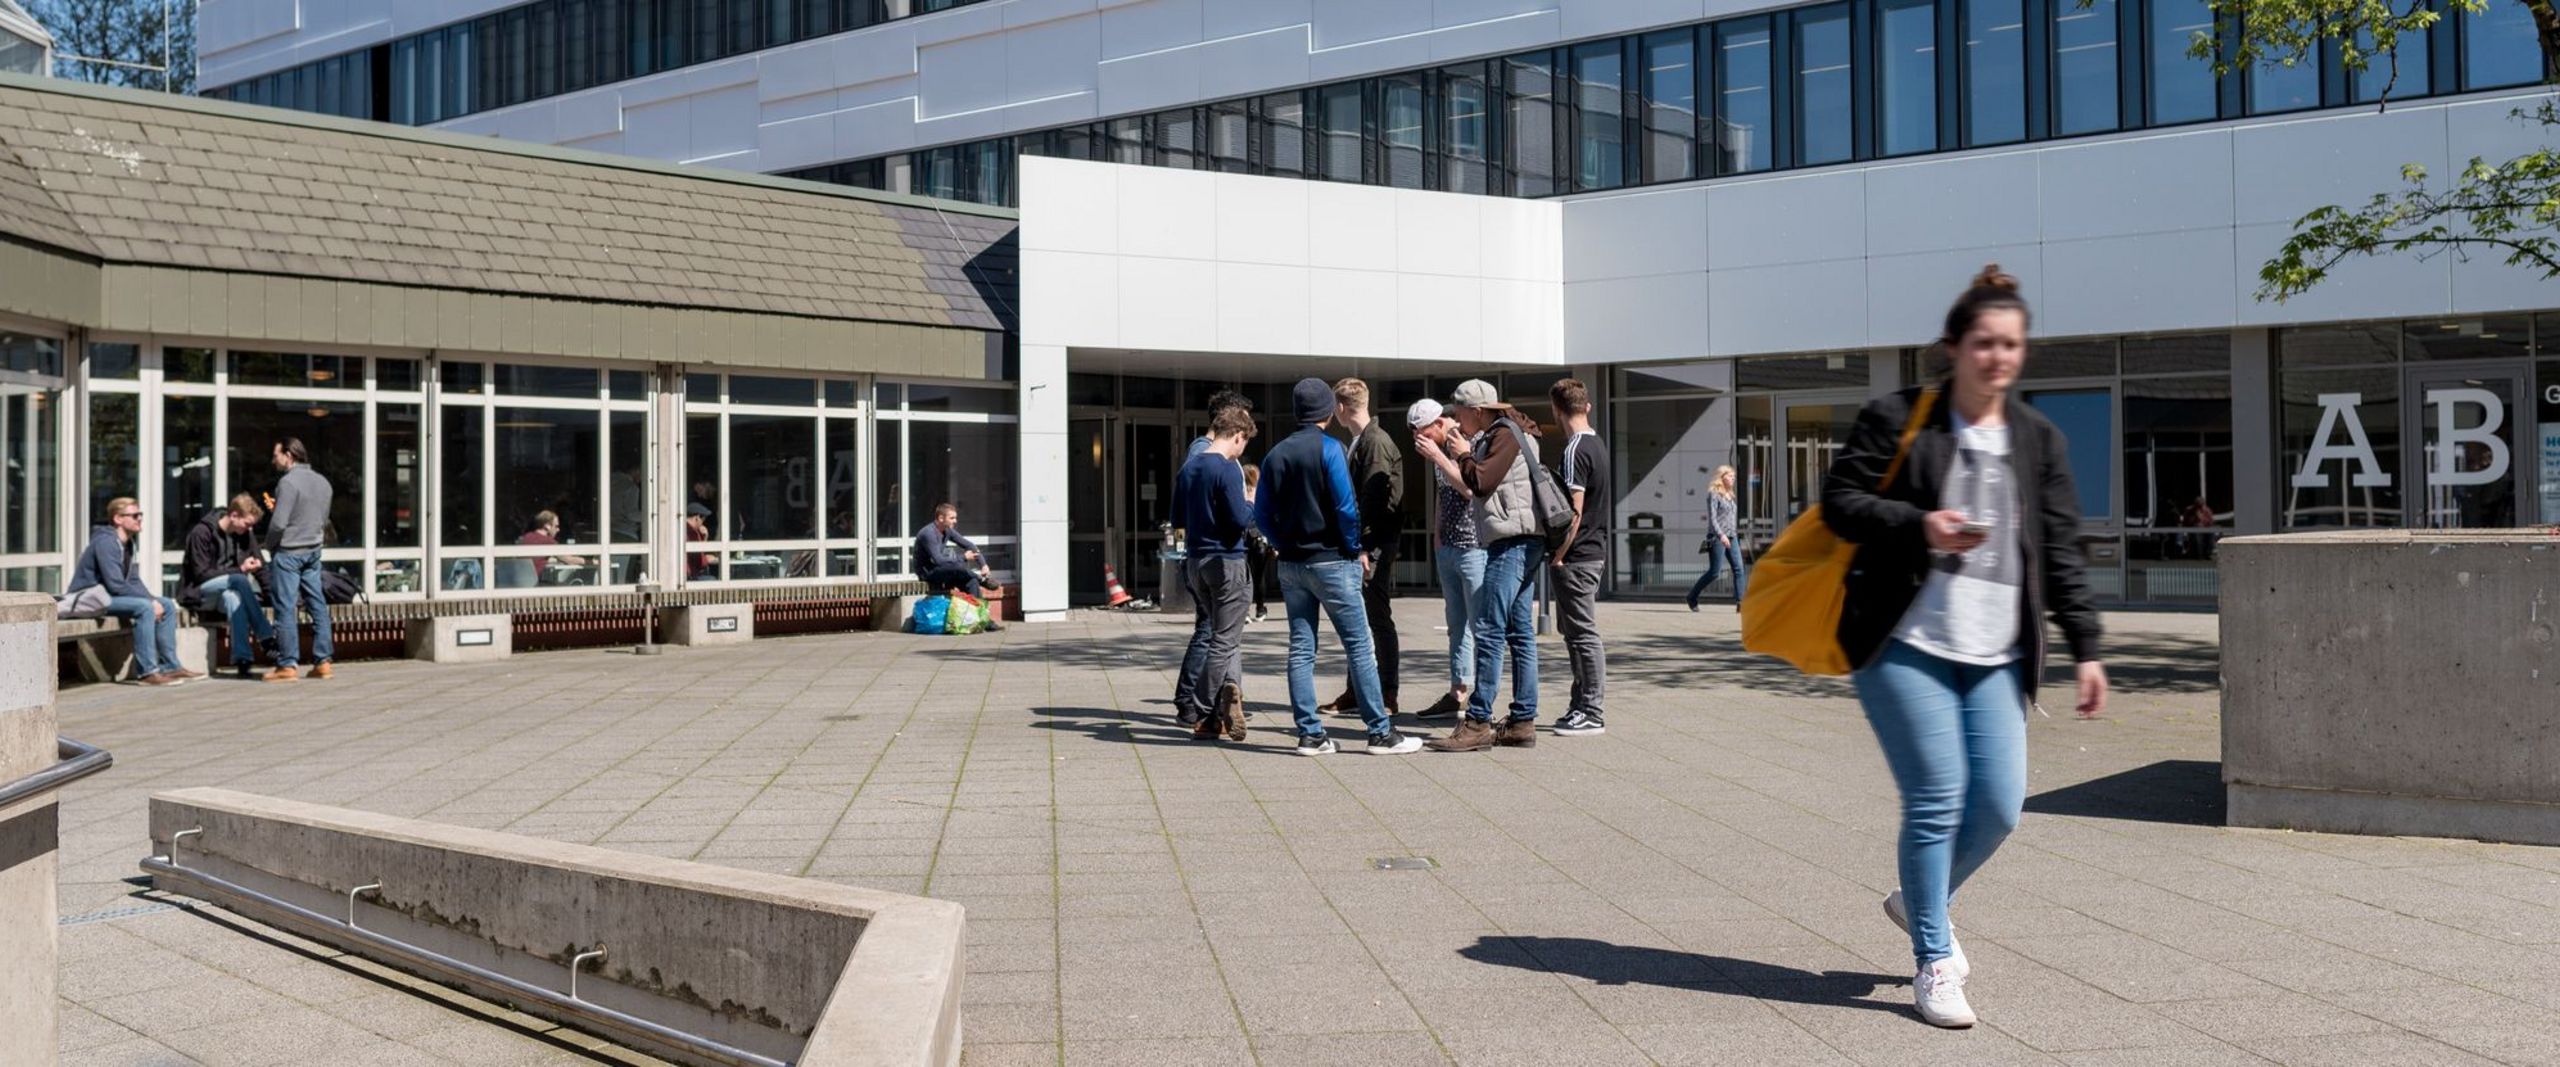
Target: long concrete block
[
  {"x": 803, "y": 971},
  {"x": 2393, "y": 682},
  {"x": 710, "y": 624},
  {"x": 461, "y": 638},
  {"x": 29, "y": 833}
]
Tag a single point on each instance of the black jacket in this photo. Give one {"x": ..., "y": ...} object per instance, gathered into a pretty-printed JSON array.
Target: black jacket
[
  {"x": 1892, "y": 560},
  {"x": 211, "y": 554}
]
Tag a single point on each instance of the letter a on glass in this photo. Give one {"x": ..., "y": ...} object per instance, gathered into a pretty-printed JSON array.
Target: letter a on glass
[{"x": 2336, "y": 408}]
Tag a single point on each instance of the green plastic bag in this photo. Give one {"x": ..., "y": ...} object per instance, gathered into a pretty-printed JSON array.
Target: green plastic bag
[{"x": 968, "y": 615}]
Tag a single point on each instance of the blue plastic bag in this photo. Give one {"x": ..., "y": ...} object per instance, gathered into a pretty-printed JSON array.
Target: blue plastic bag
[{"x": 933, "y": 616}]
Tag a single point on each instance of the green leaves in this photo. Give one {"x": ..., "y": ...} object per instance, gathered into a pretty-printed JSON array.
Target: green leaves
[{"x": 2509, "y": 209}]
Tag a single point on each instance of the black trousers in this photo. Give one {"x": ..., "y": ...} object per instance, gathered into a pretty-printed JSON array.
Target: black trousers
[
  {"x": 946, "y": 579},
  {"x": 1377, "y": 596}
]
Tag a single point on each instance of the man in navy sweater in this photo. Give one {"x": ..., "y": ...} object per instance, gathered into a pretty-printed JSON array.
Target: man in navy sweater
[
  {"x": 1217, "y": 527},
  {"x": 1307, "y": 507}
]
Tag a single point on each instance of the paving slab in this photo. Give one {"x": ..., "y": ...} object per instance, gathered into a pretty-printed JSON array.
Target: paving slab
[{"x": 1698, "y": 885}]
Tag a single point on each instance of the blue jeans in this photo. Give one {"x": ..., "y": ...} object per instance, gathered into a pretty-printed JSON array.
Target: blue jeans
[
  {"x": 1461, "y": 582},
  {"x": 1718, "y": 558},
  {"x": 1955, "y": 735},
  {"x": 298, "y": 585},
  {"x": 236, "y": 596},
  {"x": 1506, "y": 620},
  {"x": 1335, "y": 587},
  {"x": 155, "y": 640}
]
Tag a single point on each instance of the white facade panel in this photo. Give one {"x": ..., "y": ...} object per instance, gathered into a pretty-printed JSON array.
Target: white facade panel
[
  {"x": 1163, "y": 215},
  {"x": 1230, "y": 18},
  {"x": 1795, "y": 219},
  {"x": 1141, "y": 26},
  {"x": 1439, "y": 317},
  {"x": 1349, "y": 227},
  {"x": 1793, "y": 307},
  {"x": 2377, "y": 288},
  {"x": 1963, "y": 202},
  {"x": 1070, "y": 298},
  {"x": 2141, "y": 283},
  {"x": 1264, "y": 309},
  {"x": 1355, "y": 313},
  {"x": 2179, "y": 181},
  {"x": 1073, "y": 209},
  {"x": 1263, "y": 220},
  {"x": 1907, "y": 295},
  {"x": 1250, "y": 64},
  {"x": 1523, "y": 321},
  {"x": 1168, "y": 304},
  {"x": 2283, "y": 169},
  {"x": 1618, "y": 320},
  {"x": 1439, "y": 235},
  {"x": 1635, "y": 235}
]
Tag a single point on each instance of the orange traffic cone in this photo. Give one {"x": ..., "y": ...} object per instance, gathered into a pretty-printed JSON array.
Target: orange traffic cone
[{"x": 1111, "y": 579}]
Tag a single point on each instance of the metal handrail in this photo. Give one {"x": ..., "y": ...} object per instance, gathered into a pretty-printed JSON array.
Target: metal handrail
[
  {"x": 77, "y": 761},
  {"x": 569, "y": 1004}
]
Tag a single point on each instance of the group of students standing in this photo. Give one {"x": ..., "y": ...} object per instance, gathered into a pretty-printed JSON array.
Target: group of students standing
[
  {"x": 1325, "y": 504},
  {"x": 1956, "y": 495},
  {"x": 222, "y": 572}
]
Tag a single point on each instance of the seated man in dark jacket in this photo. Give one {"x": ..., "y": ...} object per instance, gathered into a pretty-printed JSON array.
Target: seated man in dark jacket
[
  {"x": 221, "y": 574},
  {"x": 945, "y": 561},
  {"x": 108, "y": 564}
]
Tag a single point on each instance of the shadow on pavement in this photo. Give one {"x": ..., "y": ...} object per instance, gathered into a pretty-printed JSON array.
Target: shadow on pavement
[
  {"x": 1610, "y": 964},
  {"x": 2183, "y": 792},
  {"x": 1130, "y": 728}
]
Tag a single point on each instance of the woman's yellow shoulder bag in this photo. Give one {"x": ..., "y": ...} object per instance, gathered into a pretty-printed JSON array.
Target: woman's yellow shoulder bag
[{"x": 1797, "y": 588}]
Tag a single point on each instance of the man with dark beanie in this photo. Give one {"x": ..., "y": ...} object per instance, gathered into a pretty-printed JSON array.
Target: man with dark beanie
[{"x": 1307, "y": 507}]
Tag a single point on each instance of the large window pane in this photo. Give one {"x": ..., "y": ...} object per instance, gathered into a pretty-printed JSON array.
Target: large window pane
[
  {"x": 844, "y": 478},
  {"x": 702, "y": 468},
  {"x": 773, "y": 469},
  {"x": 1671, "y": 106},
  {"x": 1284, "y": 135},
  {"x": 572, "y": 383},
  {"x": 1600, "y": 134},
  {"x": 1466, "y": 130},
  {"x": 2500, "y": 47},
  {"x": 962, "y": 399},
  {"x": 1908, "y": 45},
  {"x": 115, "y": 451},
  {"x": 1531, "y": 117},
  {"x": 462, "y": 487},
  {"x": 626, "y": 498},
  {"x": 1338, "y": 115},
  {"x": 1670, "y": 451},
  {"x": 2274, "y": 87},
  {"x": 2339, "y": 490},
  {"x": 1400, "y": 132},
  {"x": 967, "y": 464},
  {"x": 546, "y": 461},
  {"x": 2401, "y": 75},
  {"x": 2087, "y": 418},
  {"x": 399, "y": 464},
  {"x": 186, "y": 464},
  {"x": 296, "y": 369},
  {"x": 2178, "y": 490},
  {"x": 1823, "y": 130},
  {"x": 332, "y": 433},
  {"x": 889, "y": 465},
  {"x": 2084, "y": 67},
  {"x": 1995, "y": 72},
  {"x": 1743, "y": 107},
  {"x": 1177, "y": 135},
  {"x": 31, "y": 469},
  {"x": 1230, "y": 137},
  {"x": 778, "y": 392}
]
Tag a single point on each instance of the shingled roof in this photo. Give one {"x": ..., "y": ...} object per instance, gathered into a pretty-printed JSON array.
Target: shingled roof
[{"x": 142, "y": 178}]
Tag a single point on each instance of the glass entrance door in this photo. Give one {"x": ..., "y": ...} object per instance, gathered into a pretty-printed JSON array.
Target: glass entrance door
[
  {"x": 1089, "y": 529},
  {"x": 1810, "y": 431},
  {"x": 1147, "y": 496},
  {"x": 2471, "y": 439}
]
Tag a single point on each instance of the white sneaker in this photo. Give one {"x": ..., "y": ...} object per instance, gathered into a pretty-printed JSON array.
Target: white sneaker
[
  {"x": 1938, "y": 991},
  {"x": 1901, "y": 916},
  {"x": 1395, "y": 744}
]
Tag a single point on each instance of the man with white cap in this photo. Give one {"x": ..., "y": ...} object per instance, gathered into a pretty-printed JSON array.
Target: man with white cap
[
  {"x": 1308, "y": 508},
  {"x": 1460, "y": 558},
  {"x": 1495, "y": 472}
]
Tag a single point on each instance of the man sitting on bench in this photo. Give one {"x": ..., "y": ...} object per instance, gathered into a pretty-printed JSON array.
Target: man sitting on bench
[
  {"x": 221, "y": 574},
  {"x": 108, "y": 564},
  {"x": 945, "y": 561}
]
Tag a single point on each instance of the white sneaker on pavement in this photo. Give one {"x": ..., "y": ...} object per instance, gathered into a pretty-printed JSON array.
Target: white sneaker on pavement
[
  {"x": 1938, "y": 991},
  {"x": 1895, "y": 910}
]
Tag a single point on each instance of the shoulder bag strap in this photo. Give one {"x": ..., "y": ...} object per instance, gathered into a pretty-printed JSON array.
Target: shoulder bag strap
[{"x": 1910, "y": 432}]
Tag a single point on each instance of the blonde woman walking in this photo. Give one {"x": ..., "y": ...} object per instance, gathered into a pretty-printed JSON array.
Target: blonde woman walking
[{"x": 1723, "y": 545}]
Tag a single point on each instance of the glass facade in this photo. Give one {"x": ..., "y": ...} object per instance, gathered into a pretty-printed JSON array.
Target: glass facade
[
  {"x": 1814, "y": 85},
  {"x": 450, "y": 473}
]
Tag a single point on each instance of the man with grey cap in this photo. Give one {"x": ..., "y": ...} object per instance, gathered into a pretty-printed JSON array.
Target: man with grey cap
[
  {"x": 1306, "y": 506},
  {"x": 1460, "y": 558},
  {"x": 1494, "y": 470}
]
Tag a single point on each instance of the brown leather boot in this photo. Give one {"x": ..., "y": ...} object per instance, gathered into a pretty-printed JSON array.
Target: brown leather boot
[
  {"x": 321, "y": 670},
  {"x": 284, "y": 674},
  {"x": 1231, "y": 710},
  {"x": 1517, "y": 733},
  {"x": 1343, "y": 703},
  {"x": 1472, "y": 735}
]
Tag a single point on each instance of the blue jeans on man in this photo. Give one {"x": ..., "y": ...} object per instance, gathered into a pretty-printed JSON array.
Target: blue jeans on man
[
  {"x": 236, "y": 596},
  {"x": 1461, "y": 583},
  {"x": 1506, "y": 621},
  {"x": 1334, "y": 587},
  {"x": 155, "y": 634},
  {"x": 298, "y": 586}
]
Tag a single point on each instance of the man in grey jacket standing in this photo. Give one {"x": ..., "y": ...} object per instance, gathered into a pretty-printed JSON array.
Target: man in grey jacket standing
[{"x": 296, "y": 529}]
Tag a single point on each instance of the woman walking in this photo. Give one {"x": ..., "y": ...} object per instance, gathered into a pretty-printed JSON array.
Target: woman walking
[
  {"x": 1723, "y": 546},
  {"x": 1960, "y": 558}
]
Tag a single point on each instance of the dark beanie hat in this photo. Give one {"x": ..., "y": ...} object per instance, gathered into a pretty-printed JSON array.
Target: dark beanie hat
[{"x": 1313, "y": 400}]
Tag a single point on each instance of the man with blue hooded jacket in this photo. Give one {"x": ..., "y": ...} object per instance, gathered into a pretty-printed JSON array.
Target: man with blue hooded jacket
[
  {"x": 1307, "y": 507},
  {"x": 108, "y": 564}
]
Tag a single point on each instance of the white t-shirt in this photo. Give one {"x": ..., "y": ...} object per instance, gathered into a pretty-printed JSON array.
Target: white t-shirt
[{"x": 1967, "y": 611}]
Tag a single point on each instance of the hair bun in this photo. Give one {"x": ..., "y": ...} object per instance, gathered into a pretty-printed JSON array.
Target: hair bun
[{"x": 1992, "y": 277}]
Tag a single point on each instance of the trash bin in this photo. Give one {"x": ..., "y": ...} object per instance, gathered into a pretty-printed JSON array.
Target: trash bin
[{"x": 1644, "y": 549}]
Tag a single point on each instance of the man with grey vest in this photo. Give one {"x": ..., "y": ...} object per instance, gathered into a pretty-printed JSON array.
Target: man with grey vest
[
  {"x": 1495, "y": 472},
  {"x": 296, "y": 530}
]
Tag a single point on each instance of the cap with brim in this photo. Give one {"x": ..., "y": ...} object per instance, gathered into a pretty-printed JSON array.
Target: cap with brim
[
  {"x": 1423, "y": 413},
  {"x": 1476, "y": 393}
]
